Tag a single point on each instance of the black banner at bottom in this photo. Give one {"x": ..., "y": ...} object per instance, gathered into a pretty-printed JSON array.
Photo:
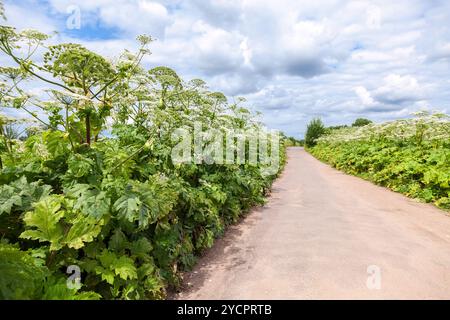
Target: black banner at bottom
[{"x": 229, "y": 309}]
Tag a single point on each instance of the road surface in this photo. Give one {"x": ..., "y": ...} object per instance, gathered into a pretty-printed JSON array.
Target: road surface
[{"x": 327, "y": 235}]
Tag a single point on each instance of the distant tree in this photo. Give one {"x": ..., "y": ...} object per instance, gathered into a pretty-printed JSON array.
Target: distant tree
[
  {"x": 360, "y": 122},
  {"x": 293, "y": 142},
  {"x": 314, "y": 130},
  {"x": 337, "y": 127}
]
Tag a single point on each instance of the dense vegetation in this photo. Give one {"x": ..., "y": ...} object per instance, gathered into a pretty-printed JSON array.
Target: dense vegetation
[
  {"x": 293, "y": 142},
  {"x": 409, "y": 156},
  {"x": 314, "y": 131},
  {"x": 89, "y": 182}
]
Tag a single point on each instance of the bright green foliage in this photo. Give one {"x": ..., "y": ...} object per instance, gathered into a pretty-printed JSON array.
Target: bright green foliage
[
  {"x": 91, "y": 182},
  {"x": 21, "y": 276},
  {"x": 45, "y": 218},
  {"x": 146, "y": 202},
  {"x": 111, "y": 266},
  {"x": 19, "y": 195},
  {"x": 314, "y": 130},
  {"x": 49, "y": 222},
  {"x": 24, "y": 276},
  {"x": 409, "y": 156},
  {"x": 56, "y": 289},
  {"x": 89, "y": 200}
]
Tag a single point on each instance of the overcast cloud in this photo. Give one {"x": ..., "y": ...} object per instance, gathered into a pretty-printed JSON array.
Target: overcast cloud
[{"x": 292, "y": 60}]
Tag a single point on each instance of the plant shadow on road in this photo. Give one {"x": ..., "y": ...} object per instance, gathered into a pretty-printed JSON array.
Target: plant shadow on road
[{"x": 223, "y": 255}]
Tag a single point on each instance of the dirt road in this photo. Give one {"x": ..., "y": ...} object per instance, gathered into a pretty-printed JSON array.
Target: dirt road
[{"x": 327, "y": 235}]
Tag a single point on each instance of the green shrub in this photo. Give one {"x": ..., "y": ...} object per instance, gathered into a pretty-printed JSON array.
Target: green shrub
[
  {"x": 314, "y": 131},
  {"x": 360, "y": 122}
]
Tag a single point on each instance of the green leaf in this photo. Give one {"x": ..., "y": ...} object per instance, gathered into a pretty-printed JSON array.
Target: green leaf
[
  {"x": 90, "y": 200},
  {"x": 8, "y": 199},
  {"x": 124, "y": 267},
  {"x": 118, "y": 241},
  {"x": 111, "y": 265},
  {"x": 56, "y": 289},
  {"x": 44, "y": 221},
  {"x": 147, "y": 202},
  {"x": 141, "y": 248},
  {"x": 45, "y": 224},
  {"x": 56, "y": 143},
  {"x": 80, "y": 166},
  {"x": 106, "y": 275},
  {"x": 128, "y": 207},
  {"x": 20, "y": 195},
  {"x": 21, "y": 276},
  {"x": 84, "y": 229}
]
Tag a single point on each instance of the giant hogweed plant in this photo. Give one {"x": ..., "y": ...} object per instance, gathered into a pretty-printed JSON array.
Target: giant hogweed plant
[
  {"x": 86, "y": 178},
  {"x": 84, "y": 85}
]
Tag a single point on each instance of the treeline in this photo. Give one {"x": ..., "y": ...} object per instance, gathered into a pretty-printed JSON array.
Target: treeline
[{"x": 294, "y": 142}]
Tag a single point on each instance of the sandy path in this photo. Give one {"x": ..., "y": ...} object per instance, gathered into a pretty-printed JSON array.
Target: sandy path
[{"x": 318, "y": 235}]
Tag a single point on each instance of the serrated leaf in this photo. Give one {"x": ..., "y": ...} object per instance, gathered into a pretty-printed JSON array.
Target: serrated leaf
[
  {"x": 141, "y": 247},
  {"x": 146, "y": 202},
  {"x": 8, "y": 202},
  {"x": 80, "y": 166},
  {"x": 90, "y": 200},
  {"x": 107, "y": 258},
  {"x": 128, "y": 206},
  {"x": 105, "y": 274},
  {"x": 124, "y": 267},
  {"x": 44, "y": 221},
  {"x": 22, "y": 276},
  {"x": 84, "y": 229},
  {"x": 118, "y": 241},
  {"x": 111, "y": 265},
  {"x": 20, "y": 195}
]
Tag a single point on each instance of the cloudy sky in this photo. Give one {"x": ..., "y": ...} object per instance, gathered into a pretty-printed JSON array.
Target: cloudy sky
[{"x": 293, "y": 60}]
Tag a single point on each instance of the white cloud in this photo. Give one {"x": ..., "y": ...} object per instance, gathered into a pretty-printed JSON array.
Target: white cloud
[
  {"x": 395, "y": 93},
  {"x": 398, "y": 89},
  {"x": 217, "y": 51},
  {"x": 20, "y": 18},
  {"x": 440, "y": 52},
  {"x": 365, "y": 96},
  {"x": 136, "y": 16}
]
